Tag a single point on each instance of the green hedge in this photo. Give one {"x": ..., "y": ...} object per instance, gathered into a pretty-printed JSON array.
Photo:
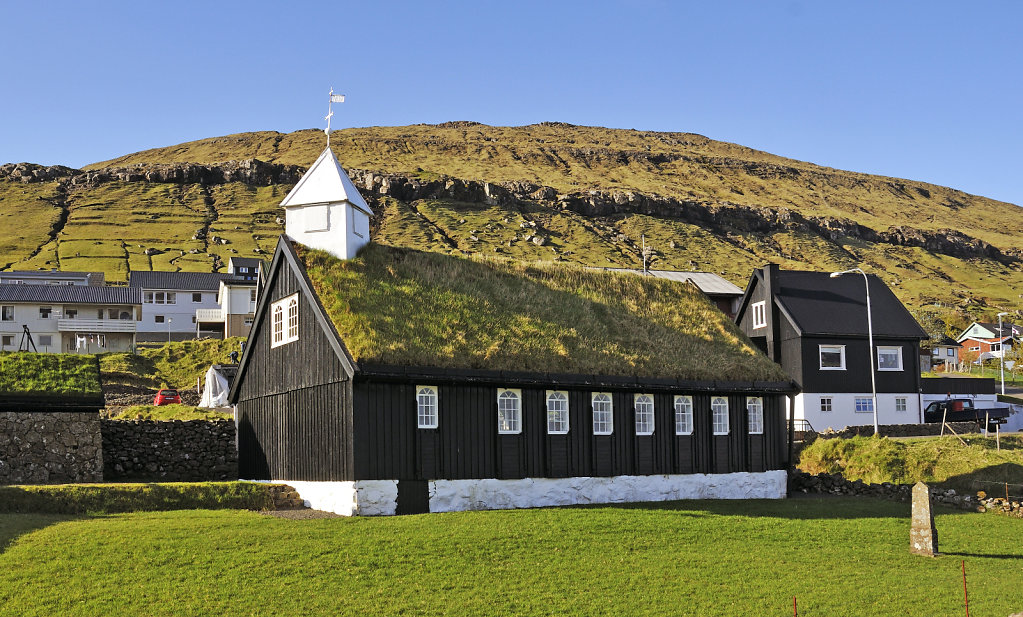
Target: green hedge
[{"x": 111, "y": 498}]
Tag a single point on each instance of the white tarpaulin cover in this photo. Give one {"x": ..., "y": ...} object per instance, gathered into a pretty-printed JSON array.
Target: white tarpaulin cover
[{"x": 214, "y": 394}]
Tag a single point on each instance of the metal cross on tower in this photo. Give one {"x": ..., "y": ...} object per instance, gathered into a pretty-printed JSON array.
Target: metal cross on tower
[{"x": 334, "y": 98}]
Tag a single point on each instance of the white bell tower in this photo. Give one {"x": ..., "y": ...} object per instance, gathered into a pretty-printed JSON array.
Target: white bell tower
[{"x": 325, "y": 210}]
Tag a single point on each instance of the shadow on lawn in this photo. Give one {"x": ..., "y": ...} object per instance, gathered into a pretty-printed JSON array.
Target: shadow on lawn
[
  {"x": 1018, "y": 557},
  {"x": 13, "y": 526},
  {"x": 802, "y": 508}
]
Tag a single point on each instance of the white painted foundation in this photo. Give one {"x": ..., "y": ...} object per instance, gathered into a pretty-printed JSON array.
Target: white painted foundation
[
  {"x": 491, "y": 494},
  {"x": 364, "y": 498}
]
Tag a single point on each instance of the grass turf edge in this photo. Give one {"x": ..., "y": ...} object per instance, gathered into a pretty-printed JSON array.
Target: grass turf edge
[{"x": 134, "y": 497}]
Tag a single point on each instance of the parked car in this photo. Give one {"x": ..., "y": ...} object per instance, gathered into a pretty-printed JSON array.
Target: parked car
[{"x": 167, "y": 397}]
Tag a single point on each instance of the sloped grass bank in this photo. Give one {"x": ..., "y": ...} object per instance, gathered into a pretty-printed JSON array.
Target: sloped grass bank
[
  {"x": 175, "y": 365},
  {"x": 943, "y": 460},
  {"x": 167, "y": 413},
  {"x": 113, "y": 498},
  {"x": 838, "y": 556}
]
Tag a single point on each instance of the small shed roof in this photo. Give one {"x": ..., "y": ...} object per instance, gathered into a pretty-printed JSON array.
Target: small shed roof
[{"x": 707, "y": 282}]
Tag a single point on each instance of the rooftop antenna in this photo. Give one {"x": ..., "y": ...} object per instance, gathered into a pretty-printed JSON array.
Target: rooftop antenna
[{"x": 334, "y": 98}]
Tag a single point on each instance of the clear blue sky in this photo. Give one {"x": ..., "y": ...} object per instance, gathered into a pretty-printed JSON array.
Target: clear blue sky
[{"x": 922, "y": 90}]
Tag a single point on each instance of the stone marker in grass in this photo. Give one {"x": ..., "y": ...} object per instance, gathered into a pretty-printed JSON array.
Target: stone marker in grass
[{"x": 923, "y": 538}]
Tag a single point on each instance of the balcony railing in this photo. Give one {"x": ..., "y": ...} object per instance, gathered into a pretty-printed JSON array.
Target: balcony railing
[
  {"x": 95, "y": 325},
  {"x": 209, "y": 315}
]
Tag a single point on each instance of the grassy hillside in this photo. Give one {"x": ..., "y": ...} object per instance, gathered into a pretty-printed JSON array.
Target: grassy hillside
[
  {"x": 175, "y": 365},
  {"x": 584, "y": 195}
]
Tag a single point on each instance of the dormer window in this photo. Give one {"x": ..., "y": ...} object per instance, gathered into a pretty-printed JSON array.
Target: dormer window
[
  {"x": 760, "y": 314},
  {"x": 284, "y": 321}
]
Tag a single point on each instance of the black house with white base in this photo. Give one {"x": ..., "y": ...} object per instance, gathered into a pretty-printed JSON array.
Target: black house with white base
[
  {"x": 399, "y": 381},
  {"x": 815, "y": 326}
]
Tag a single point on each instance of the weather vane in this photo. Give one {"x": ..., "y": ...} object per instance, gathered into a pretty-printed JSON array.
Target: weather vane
[{"x": 334, "y": 98}]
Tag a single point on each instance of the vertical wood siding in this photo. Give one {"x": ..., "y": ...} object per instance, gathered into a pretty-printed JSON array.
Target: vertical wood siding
[
  {"x": 295, "y": 402},
  {"x": 466, "y": 443}
]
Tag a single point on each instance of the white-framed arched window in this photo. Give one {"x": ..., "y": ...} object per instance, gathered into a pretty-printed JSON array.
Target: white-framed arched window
[
  {"x": 293, "y": 318},
  {"x": 284, "y": 321},
  {"x": 755, "y": 408},
  {"x": 719, "y": 412},
  {"x": 603, "y": 413},
  {"x": 557, "y": 412},
  {"x": 683, "y": 415},
  {"x": 509, "y": 411},
  {"x": 644, "y": 404},
  {"x": 426, "y": 406}
]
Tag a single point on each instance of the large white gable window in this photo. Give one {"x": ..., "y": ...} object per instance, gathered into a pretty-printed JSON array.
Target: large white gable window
[
  {"x": 284, "y": 310},
  {"x": 832, "y": 357},
  {"x": 603, "y": 413},
  {"x": 719, "y": 407},
  {"x": 755, "y": 408},
  {"x": 426, "y": 406},
  {"x": 683, "y": 415},
  {"x": 889, "y": 358},
  {"x": 509, "y": 411},
  {"x": 759, "y": 314},
  {"x": 557, "y": 412},
  {"x": 644, "y": 404}
]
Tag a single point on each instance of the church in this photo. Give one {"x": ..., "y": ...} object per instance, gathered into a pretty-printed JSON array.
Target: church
[{"x": 380, "y": 380}]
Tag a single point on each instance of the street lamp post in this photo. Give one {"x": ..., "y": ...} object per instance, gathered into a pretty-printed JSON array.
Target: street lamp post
[
  {"x": 870, "y": 339},
  {"x": 1001, "y": 350},
  {"x": 169, "y": 320}
]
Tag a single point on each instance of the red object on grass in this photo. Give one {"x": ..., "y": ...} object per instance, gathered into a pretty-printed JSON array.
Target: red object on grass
[{"x": 166, "y": 397}]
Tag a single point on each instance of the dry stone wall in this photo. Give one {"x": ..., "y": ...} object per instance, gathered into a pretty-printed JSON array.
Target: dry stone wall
[
  {"x": 192, "y": 451},
  {"x": 50, "y": 447}
]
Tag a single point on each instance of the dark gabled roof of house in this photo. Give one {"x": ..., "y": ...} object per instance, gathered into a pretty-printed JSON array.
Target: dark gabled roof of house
[
  {"x": 1008, "y": 329},
  {"x": 245, "y": 262},
  {"x": 186, "y": 281},
  {"x": 70, "y": 294},
  {"x": 821, "y": 305},
  {"x": 403, "y": 308},
  {"x": 945, "y": 341}
]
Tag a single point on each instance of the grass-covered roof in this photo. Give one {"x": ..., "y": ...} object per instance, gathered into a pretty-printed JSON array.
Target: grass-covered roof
[
  {"x": 402, "y": 307},
  {"x": 46, "y": 374}
]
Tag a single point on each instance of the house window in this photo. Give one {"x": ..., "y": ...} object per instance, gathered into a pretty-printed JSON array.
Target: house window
[
  {"x": 760, "y": 315},
  {"x": 279, "y": 335},
  {"x": 148, "y": 297},
  {"x": 996, "y": 346},
  {"x": 196, "y": 297},
  {"x": 45, "y": 340},
  {"x": 719, "y": 407},
  {"x": 825, "y": 403},
  {"x": 683, "y": 415},
  {"x": 755, "y": 407},
  {"x": 644, "y": 404},
  {"x": 426, "y": 406},
  {"x": 889, "y": 358},
  {"x": 70, "y": 313},
  {"x": 603, "y": 413},
  {"x": 977, "y": 348},
  {"x": 7, "y": 340},
  {"x": 557, "y": 412},
  {"x": 252, "y": 295},
  {"x": 158, "y": 318},
  {"x": 832, "y": 357},
  {"x": 864, "y": 404},
  {"x": 509, "y": 411},
  {"x": 44, "y": 312},
  {"x": 900, "y": 403},
  {"x": 247, "y": 321},
  {"x": 950, "y": 352},
  {"x": 193, "y": 319},
  {"x": 7, "y": 312}
]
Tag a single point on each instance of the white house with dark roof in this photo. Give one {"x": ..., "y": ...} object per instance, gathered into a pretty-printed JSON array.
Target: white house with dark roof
[
  {"x": 170, "y": 301},
  {"x": 50, "y": 277},
  {"x": 68, "y": 318}
]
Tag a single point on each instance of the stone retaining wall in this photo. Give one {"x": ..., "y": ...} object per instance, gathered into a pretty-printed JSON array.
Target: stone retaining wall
[
  {"x": 894, "y": 430},
  {"x": 50, "y": 447},
  {"x": 192, "y": 451}
]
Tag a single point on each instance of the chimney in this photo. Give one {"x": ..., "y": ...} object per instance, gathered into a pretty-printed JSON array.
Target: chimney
[{"x": 770, "y": 290}]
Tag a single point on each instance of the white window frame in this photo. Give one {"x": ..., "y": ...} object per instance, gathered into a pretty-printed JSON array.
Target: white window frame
[
  {"x": 45, "y": 312},
  {"x": 996, "y": 347},
  {"x": 509, "y": 411},
  {"x": 4, "y": 312},
  {"x": 644, "y": 414},
  {"x": 683, "y": 414},
  {"x": 719, "y": 414},
  {"x": 282, "y": 333},
  {"x": 863, "y": 404},
  {"x": 977, "y": 348},
  {"x": 194, "y": 294},
  {"x": 147, "y": 297},
  {"x": 827, "y": 404},
  {"x": 901, "y": 403},
  {"x": 427, "y": 408},
  {"x": 557, "y": 414},
  {"x": 831, "y": 348},
  {"x": 759, "y": 314},
  {"x": 889, "y": 349},
  {"x": 755, "y": 411},
  {"x": 603, "y": 425},
  {"x": 950, "y": 352}
]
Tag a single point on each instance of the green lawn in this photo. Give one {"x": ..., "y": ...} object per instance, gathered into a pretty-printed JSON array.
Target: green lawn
[{"x": 839, "y": 556}]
